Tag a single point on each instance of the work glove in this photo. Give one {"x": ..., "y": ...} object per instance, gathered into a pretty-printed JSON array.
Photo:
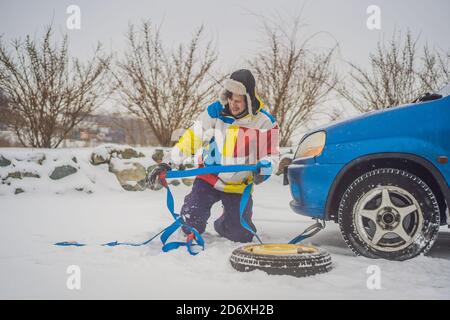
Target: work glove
[{"x": 154, "y": 180}]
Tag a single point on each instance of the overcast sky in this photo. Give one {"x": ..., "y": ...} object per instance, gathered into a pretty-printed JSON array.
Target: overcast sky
[{"x": 231, "y": 24}]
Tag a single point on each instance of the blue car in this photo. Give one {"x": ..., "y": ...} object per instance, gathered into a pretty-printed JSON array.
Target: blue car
[{"x": 383, "y": 177}]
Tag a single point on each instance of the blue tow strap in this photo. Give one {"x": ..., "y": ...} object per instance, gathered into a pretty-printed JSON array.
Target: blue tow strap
[
  {"x": 309, "y": 232},
  {"x": 178, "y": 220}
]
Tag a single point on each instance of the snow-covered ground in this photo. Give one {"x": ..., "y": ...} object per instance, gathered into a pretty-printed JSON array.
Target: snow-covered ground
[{"x": 32, "y": 267}]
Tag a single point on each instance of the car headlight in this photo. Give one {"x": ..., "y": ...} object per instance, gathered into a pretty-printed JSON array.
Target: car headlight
[{"x": 311, "y": 146}]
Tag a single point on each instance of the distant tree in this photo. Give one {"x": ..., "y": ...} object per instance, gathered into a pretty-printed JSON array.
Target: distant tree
[
  {"x": 399, "y": 72},
  {"x": 47, "y": 92},
  {"x": 292, "y": 78},
  {"x": 165, "y": 87}
]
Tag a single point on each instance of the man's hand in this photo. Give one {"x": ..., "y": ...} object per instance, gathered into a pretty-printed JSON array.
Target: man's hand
[{"x": 153, "y": 180}]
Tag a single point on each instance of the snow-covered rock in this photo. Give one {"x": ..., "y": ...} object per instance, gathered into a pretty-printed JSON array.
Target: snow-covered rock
[
  {"x": 4, "y": 162},
  {"x": 62, "y": 171},
  {"x": 104, "y": 153},
  {"x": 158, "y": 155},
  {"x": 132, "y": 176}
]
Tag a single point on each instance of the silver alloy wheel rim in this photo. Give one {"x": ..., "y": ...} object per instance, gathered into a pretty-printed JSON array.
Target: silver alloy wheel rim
[{"x": 388, "y": 227}]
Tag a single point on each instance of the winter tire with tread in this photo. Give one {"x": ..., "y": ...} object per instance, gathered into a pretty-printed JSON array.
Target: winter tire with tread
[
  {"x": 282, "y": 259},
  {"x": 389, "y": 213}
]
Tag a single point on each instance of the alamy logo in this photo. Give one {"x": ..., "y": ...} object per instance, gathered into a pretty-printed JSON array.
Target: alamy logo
[
  {"x": 374, "y": 20},
  {"x": 73, "y": 22},
  {"x": 374, "y": 280},
  {"x": 74, "y": 280},
  {"x": 229, "y": 146}
]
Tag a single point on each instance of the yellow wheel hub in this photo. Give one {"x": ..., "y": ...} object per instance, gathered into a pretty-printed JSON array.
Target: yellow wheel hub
[{"x": 280, "y": 249}]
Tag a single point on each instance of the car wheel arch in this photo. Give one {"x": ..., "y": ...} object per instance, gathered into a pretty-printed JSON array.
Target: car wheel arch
[{"x": 409, "y": 162}]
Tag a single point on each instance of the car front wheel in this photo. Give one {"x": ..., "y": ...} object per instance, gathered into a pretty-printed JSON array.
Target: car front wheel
[{"x": 389, "y": 213}]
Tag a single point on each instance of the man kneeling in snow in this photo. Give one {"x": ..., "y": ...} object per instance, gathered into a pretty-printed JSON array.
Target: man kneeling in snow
[{"x": 237, "y": 129}]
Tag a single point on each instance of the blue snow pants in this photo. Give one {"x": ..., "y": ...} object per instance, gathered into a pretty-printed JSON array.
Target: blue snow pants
[{"x": 196, "y": 211}]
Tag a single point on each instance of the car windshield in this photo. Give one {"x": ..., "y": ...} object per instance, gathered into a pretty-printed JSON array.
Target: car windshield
[{"x": 445, "y": 91}]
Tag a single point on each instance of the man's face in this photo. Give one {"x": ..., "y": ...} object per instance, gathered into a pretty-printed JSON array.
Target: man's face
[{"x": 236, "y": 104}]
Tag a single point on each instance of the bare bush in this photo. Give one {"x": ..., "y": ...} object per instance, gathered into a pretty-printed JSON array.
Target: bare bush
[
  {"x": 165, "y": 87},
  {"x": 48, "y": 93},
  {"x": 292, "y": 78},
  {"x": 399, "y": 72}
]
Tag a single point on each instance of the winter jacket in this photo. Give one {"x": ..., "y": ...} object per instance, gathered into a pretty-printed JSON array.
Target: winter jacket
[{"x": 217, "y": 138}]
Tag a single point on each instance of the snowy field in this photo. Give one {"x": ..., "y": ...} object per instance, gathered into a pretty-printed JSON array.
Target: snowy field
[{"x": 31, "y": 267}]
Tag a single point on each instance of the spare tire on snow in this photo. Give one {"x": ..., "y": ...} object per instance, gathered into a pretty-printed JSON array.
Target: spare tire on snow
[{"x": 282, "y": 259}]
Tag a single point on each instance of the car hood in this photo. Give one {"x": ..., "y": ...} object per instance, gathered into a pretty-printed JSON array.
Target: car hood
[{"x": 364, "y": 123}]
